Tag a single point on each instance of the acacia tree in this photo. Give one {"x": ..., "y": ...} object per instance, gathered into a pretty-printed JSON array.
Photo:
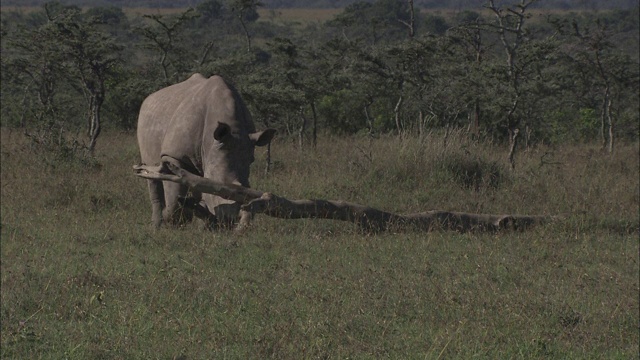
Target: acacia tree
[
  {"x": 382, "y": 20},
  {"x": 595, "y": 54},
  {"x": 163, "y": 35},
  {"x": 245, "y": 11},
  {"x": 32, "y": 66},
  {"x": 468, "y": 36},
  {"x": 66, "y": 50},
  {"x": 371, "y": 92},
  {"x": 318, "y": 78},
  {"x": 349, "y": 88},
  {"x": 301, "y": 85},
  {"x": 509, "y": 25},
  {"x": 91, "y": 57}
]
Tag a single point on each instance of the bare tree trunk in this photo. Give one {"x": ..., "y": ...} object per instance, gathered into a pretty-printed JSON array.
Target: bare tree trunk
[
  {"x": 396, "y": 112},
  {"x": 513, "y": 141},
  {"x": 610, "y": 125},
  {"x": 476, "y": 118},
  {"x": 314, "y": 129},
  {"x": 603, "y": 122},
  {"x": 165, "y": 66},
  {"x": 205, "y": 53},
  {"x": 477, "y": 41},
  {"x": 94, "y": 132},
  {"x": 606, "y": 122},
  {"x": 369, "y": 122},
  {"x": 303, "y": 128},
  {"x": 369, "y": 154},
  {"x": 412, "y": 20},
  {"x": 246, "y": 32}
]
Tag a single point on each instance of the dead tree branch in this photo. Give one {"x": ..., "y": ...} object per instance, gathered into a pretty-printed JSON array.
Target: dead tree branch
[{"x": 367, "y": 218}]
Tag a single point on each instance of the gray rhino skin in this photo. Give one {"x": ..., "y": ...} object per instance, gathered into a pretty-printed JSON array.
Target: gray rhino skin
[{"x": 203, "y": 126}]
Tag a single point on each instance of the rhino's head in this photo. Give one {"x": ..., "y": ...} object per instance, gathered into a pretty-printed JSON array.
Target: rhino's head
[{"x": 228, "y": 160}]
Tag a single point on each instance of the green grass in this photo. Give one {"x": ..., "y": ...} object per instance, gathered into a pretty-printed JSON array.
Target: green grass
[{"x": 85, "y": 277}]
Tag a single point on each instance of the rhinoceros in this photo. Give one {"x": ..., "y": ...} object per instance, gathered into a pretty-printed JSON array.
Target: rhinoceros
[{"x": 203, "y": 126}]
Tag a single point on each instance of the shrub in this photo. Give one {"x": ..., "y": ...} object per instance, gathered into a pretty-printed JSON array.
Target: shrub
[{"x": 56, "y": 147}]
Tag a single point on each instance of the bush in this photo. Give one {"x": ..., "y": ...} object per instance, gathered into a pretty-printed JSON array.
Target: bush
[{"x": 55, "y": 147}]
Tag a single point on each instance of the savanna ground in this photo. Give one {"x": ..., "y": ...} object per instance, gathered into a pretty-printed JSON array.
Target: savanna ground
[{"x": 85, "y": 277}]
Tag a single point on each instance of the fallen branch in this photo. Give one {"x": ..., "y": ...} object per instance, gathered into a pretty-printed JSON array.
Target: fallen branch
[{"x": 369, "y": 219}]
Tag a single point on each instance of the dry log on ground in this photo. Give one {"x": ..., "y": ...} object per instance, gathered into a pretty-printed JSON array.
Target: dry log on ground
[{"x": 369, "y": 219}]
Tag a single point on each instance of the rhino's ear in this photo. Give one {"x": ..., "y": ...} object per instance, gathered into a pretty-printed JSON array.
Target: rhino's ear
[
  {"x": 262, "y": 138},
  {"x": 222, "y": 132}
]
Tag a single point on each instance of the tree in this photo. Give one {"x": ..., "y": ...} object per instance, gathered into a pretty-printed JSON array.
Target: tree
[
  {"x": 509, "y": 26},
  {"x": 468, "y": 36},
  {"x": 380, "y": 20},
  {"x": 32, "y": 66},
  {"x": 596, "y": 55},
  {"x": 246, "y": 12},
  {"x": 366, "y": 88},
  {"x": 295, "y": 87},
  {"x": 163, "y": 35},
  {"x": 91, "y": 56},
  {"x": 67, "y": 52}
]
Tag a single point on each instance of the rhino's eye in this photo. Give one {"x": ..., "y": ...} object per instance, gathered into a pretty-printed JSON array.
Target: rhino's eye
[
  {"x": 228, "y": 143},
  {"x": 222, "y": 132}
]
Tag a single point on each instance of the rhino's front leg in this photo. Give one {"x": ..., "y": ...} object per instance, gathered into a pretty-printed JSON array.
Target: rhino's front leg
[
  {"x": 173, "y": 212},
  {"x": 156, "y": 193}
]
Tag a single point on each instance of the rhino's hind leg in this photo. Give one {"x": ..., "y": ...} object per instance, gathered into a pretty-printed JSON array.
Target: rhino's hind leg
[{"x": 156, "y": 193}]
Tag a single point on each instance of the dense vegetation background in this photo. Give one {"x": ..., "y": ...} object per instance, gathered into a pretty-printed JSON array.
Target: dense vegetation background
[
  {"x": 447, "y": 4},
  {"x": 507, "y": 73}
]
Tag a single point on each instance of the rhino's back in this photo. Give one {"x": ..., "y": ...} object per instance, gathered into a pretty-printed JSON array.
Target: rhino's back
[{"x": 172, "y": 120}]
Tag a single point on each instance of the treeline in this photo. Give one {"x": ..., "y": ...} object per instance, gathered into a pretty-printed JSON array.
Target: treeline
[
  {"x": 324, "y": 4},
  {"x": 501, "y": 72}
]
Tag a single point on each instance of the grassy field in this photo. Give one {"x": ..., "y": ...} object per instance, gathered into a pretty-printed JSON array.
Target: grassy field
[{"x": 85, "y": 277}]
